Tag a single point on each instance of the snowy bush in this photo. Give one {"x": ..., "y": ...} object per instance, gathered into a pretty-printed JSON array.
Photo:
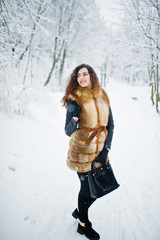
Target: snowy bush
[{"x": 37, "y": 103}]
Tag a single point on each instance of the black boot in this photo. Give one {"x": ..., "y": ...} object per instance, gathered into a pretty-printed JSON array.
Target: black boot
[
  {"x": 88, "y": 231},
  {"x": 75, "y": 214}
]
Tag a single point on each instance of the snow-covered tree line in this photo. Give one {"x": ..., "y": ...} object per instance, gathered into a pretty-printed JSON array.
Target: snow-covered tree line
[
  {"x": 138, "y": 44},
  {"x": 148, "y": 17},
  {"x": 48, "y": 33},
  {"x": 40, "y": 39}
]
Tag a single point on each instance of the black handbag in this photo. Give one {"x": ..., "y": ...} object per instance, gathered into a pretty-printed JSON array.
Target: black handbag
[{"x": 101, "y": 180}]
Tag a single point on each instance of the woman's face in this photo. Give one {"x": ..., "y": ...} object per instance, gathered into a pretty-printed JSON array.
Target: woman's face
[{"x": 83, "y": 78}]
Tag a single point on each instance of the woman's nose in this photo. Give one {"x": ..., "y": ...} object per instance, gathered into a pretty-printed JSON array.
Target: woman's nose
[{"x": 82, "y": 76}]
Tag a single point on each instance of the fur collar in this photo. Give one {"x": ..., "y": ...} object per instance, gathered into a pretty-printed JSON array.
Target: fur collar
[
  {"x": 89, "y": 92},
  {"x": 84, "y": 94}
]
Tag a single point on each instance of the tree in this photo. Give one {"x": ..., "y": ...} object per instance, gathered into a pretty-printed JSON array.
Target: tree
[
  {"x": 138, "y": 43},
  {"x": 148, "y": 17},
  {"x": 79, "y": 31}
]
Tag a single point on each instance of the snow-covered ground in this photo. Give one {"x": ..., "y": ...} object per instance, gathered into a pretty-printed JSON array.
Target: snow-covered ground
[{"x": 38, "y": 192}]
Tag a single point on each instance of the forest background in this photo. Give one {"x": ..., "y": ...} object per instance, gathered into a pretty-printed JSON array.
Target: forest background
[{"x": 41, "y": 41}]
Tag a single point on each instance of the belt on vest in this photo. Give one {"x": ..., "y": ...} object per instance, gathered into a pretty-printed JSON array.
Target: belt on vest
[{"x": 94, "y": 132}]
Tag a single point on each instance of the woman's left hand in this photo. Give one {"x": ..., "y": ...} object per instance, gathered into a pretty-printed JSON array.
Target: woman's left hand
[{"x": 102, "y": 157}]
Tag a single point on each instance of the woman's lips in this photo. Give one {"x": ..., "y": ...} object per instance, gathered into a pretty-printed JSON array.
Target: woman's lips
[{"x": 83, "y": 81}]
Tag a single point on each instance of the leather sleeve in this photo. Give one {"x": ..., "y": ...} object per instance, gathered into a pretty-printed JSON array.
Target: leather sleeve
[
  {"x": 110, "y": 129},
  {"x": 70, "y": 124}
]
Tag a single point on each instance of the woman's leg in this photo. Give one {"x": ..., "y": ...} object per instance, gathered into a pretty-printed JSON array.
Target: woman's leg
[
  {"x": 84, "y": 202},
  {"x": 84, "y": 198}
]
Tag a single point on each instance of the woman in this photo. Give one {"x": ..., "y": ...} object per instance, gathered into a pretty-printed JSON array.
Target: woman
[{"x": 89, "y": 123}]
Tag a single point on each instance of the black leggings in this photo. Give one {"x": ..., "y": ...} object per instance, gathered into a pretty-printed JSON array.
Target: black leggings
[{"x": 84, "y": 198}]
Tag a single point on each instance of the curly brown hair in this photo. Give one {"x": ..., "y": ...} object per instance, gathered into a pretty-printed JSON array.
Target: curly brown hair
[{"x": 73, "y": 83}]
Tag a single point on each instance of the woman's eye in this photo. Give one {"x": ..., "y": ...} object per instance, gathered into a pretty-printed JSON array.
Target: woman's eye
[{"x": 84, "y": 74}]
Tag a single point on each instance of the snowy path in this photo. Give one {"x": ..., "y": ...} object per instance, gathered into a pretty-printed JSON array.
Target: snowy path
[{"x": 36, "y": 200}]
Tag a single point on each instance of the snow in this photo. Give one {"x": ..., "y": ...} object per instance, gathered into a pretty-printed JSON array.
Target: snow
[{"x": 38, "y": 192}]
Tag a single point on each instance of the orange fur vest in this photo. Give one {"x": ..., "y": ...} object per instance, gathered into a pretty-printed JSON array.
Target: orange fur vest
[{"x": 88, "y": 140}]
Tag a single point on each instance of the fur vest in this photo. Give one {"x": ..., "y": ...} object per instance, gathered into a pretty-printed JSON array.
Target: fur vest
[{"x": 88, "y": 140}]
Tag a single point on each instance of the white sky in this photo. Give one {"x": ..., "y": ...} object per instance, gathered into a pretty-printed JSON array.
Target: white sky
[{"x": 108, "y": 9}]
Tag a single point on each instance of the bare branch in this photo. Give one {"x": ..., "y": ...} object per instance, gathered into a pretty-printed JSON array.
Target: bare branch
[
  {"x": 35, "y": 20},
  {"x": 142, "y": 27}
]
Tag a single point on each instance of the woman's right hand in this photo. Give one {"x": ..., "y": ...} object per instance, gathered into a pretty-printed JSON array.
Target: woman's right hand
[{"x": 75, "y": 119}]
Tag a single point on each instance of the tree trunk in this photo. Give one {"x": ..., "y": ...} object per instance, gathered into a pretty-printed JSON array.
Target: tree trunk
[
  {"x": 157, "y": 84},
  {"x": 151, "y": 73},
  {"x": 31, "y": 40},
  {"x": 102, "y": 75},
  {"x": 53, "y": 63},
  {"x": 62, "y": 67},
  {"x": 105, "y": 72},
  {"x": 55, "y": 60}
]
